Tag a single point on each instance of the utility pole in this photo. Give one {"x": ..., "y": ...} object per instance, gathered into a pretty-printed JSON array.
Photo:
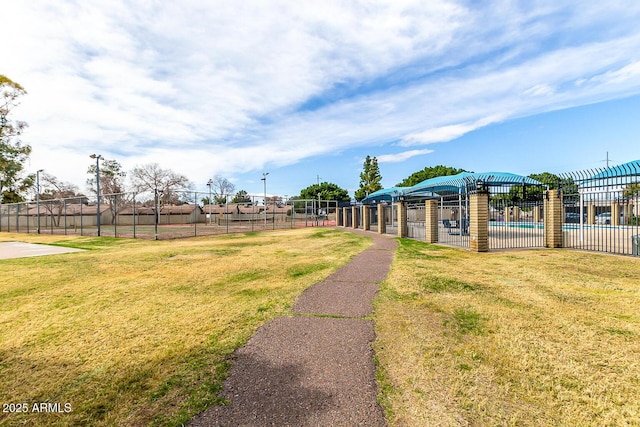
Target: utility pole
[
  {"x": 97, "y": 157},
  {"x": 209, "y": 184},
  {"x": 264, "y": 179},
  {"x": 38, "y": 196},
  {"x": 607, "y": 160}
]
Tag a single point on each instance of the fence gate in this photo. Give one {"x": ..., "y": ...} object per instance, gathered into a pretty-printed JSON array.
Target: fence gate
[
  {"x": 453, "y": 220},
  {"x": 416, "y": 221},
  {"x": 391, "y": 218},
  {"x": 516, "y": 217}
]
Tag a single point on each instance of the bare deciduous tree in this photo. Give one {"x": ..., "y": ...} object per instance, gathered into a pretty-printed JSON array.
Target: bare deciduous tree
[
  {"x": 221, "y": 188},
  {"x": 152, "y": 177},
  {"x": 53, "y": 192}
]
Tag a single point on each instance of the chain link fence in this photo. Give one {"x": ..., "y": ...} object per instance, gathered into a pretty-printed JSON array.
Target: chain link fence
[{"x": 162, "y": 216}]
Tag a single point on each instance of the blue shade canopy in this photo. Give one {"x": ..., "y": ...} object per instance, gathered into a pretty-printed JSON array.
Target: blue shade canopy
[
  {"x": 627, "y": 169},
  {"x": 386, "y": 194},
  {"x": 443, "y": 185}
]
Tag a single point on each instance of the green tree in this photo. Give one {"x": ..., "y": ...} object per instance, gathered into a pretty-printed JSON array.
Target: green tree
[
  {"x": 111, "y": 182},
  {"x": 369, "y": 178},
  {"x": 13, "y": 154},
  {"x": 631, "y": 190},
  {"x": 327, "y": 191},
  {"x": 111, "y": 177},
  {"x": 241, "y": 197},
  {"x": 428, "y": 173},
  {"x": 532, "y": 193}
]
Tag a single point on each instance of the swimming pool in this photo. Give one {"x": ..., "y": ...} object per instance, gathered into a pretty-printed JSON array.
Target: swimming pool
[{"x": 566, "y": 226}]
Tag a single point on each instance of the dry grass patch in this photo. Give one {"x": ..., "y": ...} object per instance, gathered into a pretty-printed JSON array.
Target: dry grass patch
[
  {"x": 137, "y": 332},
  {"x": 541, "y": 337}
]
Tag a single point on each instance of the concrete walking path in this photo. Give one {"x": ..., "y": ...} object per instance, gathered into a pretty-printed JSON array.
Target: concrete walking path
[
  {"x": 10, "y": 250},
  {"x": 310, "y": 370}
]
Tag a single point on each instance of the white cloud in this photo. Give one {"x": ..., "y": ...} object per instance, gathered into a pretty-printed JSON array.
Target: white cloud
[
  {"x": 199, "y": 86},
  {"x": 539, "y": 90},
  {"x": 446, "y": 133},
  {"x": 401, "y": 157}
]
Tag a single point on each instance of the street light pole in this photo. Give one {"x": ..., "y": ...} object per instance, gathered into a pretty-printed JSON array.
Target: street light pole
[
  {"x": 97, "y": 157},
  {"x": 209, "y": 184},
  {"x": 264, "y": 179},
  {"x": 38, "y": 196}
]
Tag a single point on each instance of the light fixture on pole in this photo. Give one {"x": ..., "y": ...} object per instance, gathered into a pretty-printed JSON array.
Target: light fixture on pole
[
  {"x": 264, "y": 179},
  {"x": 38, "y": 196},
  {"x": 97, "y": 157},
  {"x": 209, "y": 184}
]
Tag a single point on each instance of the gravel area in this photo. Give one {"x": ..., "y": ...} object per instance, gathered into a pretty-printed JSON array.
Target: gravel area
[{"x": 309, "y": 370}]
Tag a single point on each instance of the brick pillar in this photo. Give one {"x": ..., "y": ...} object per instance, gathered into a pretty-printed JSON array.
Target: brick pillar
[
  {"x": 354, "y": 217},
  {"x": 507, "y": 214},
  {"x": 516, "y": 213},
  {"x": 628, "y": 211},
  {"x": 536, "y": 214},
  {"x": 431, "y": 221},
  {"x": 479, "y": 221},
  {"x": 382, "y": 221},
  {"x": 591, "y": 214},
  {"x": 553, "y": 219},
  {"x": 615, "y": 214},
  {"x": 402, "y": 219},
  {"x": 366, "y": 218}
]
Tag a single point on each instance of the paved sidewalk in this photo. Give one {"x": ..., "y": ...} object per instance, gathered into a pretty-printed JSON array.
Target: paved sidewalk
[
  {"x": 308, "y": 370},
  {"x": 22, "y": 250}
]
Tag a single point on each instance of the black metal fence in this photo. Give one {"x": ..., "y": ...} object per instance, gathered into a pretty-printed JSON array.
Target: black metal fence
[
  {"x": 391, "y": 219},
  {"x": 602, "y": 209},
  {"x": 416, "y": 216},
  {"x": 158, "y": 216},
  {"x": 600, "y": 212},
  {"x": 516, "y": 216},
  {"x": 453, "y": 219}
]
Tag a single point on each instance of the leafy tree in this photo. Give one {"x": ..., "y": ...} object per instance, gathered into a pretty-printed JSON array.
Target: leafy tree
[
  {"x": 632, "y": 190},
  {"x": 151, "y": 177},
  {"x": 327, "y": 191},
  {"x": 532, "y": 193},
  {"x": 241, "y": 197},
  {"x": 111, "y": 177},
  {"x": 551, "y": 180},
  {"x": 369, "y": 178},
  {"x": 428, "y": 173},
  {"x": 111, "y": 182},
  {"x": 13, "y": 154}
]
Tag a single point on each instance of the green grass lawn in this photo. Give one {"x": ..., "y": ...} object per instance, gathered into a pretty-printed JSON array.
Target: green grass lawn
[
  {"x": 522, "y": 338},
  {"x": 134, "y": 332}
]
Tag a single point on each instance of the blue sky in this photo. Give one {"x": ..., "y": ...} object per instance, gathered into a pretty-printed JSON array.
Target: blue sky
[{"x": 306, "y": 89}]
